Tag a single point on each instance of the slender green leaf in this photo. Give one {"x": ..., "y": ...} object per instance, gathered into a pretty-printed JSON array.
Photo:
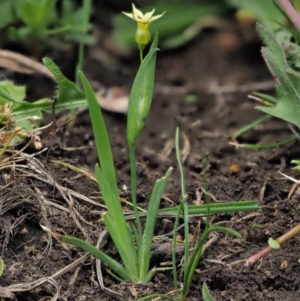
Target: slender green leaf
[
  {"x": 184, "y": 203},
  {"x": 153, "y": 206},
  {"x": 270, "y": 145},
  {"x": 113, "y": 264},
  {"x": 251, "y": 126},
  {"x": 123, "y": 240},
  {"x": 215, "y": 208},
  {"x": 105, "y": 174},
  {"x": 101, "y": 136}
]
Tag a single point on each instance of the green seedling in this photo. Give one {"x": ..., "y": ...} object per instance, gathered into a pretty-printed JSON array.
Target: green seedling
[
  {"x": 191, "y": 259},
  {"x": 273, "y": 245},
  {"x": 67, "y": 97},
  {"x": 132, "y": 239},
  {"x": 281, "y": 54},
  {"x": 132, "y": 243},
  {"x": 288, "y": 92}
]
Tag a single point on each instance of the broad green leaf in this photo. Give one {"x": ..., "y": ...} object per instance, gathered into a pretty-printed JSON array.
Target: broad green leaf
[{"x": 67, "y": 90}]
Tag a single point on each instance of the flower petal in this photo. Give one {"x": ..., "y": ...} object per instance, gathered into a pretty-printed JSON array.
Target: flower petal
[
  {"x": 148, "y": 16},
  {"x": 137, "y": 14},
  {"x": 156, "y": 17},
  {"x": 129, "y": 15}
]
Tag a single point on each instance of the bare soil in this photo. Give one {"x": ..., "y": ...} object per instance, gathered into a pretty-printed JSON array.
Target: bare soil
[{"x": 51, "y": 194}]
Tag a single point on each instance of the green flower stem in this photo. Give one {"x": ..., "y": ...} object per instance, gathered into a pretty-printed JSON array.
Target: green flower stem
[
  {"x": 133, "y": 181},
  {"x": 288, "y": 235},
  {"x": 141, "y": 53}
]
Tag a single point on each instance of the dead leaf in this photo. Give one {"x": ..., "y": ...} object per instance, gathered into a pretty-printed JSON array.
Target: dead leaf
[
  {"x": 23, "y": 64},
  {"x": 114, "y": 99}
]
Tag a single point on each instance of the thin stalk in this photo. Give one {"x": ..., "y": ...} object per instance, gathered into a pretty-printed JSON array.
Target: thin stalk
[
  {"x": 266, "y": 146},
  {"x": 141, "y": 54},
  {"x": 133, "y": 180},
  {"x": 184, "y": 202},
  {"x": 288, "y": 235},
  {"x": 252, "y": 125},
  {"x": 86, "y": 16},
  {"x": 180, "y": 208}
]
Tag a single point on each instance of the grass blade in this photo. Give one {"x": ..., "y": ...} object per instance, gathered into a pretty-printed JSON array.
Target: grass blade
[
  {"x": 101, "y": 136},
  {"x": 105, "y": 173},
  {"x": 183, "y": 202},
  {"x": 113, "y": 264},
  {"x": 215, "y": 208},
  {"x": 153, "y": 206}
]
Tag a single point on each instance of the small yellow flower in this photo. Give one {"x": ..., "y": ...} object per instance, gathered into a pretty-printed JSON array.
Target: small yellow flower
[{"x": 142, "y": 35}]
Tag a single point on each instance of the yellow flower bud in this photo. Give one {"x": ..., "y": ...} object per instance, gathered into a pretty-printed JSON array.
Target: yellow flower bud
[{"x": 142, "y": 35}]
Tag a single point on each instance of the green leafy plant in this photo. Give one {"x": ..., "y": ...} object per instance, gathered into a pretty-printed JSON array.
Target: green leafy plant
[
  {"x": 282, "y": 58},
  {"x": 133, "y": 244},
  {"x": 132, "y": 240},
  {"x": 281, "y": 54},
  {"x": 41, "y": 20},
  {"x": 68, "y": 96},
  {"x": 191, "y": 259}
]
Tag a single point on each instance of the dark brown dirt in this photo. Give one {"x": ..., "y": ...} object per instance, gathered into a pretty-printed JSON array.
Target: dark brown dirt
[{"x": 208, "y": 123}]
